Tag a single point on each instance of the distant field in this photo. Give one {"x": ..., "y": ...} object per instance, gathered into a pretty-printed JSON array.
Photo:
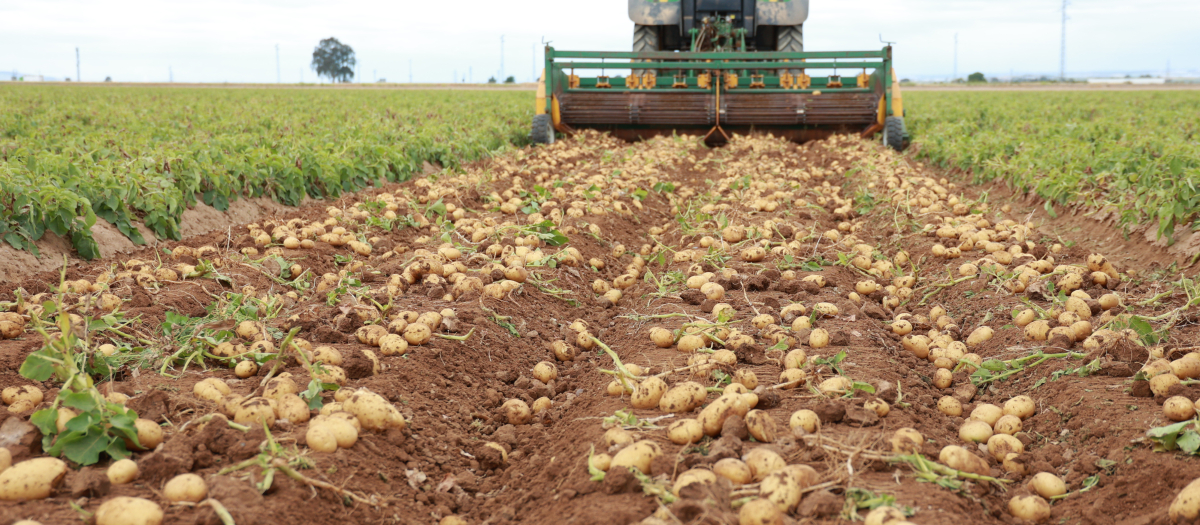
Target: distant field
[
  {"x": 1137, "y": 151},
  {"x": 69, "y": 154}
]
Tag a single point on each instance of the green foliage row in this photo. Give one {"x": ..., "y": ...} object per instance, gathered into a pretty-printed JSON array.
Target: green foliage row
[
  {"x": 71, "y": 154},
  {"x": 1136, "y": 153}
]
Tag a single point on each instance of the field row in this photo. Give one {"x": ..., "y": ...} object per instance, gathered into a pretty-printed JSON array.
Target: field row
[{"x": 69, "y": 156}]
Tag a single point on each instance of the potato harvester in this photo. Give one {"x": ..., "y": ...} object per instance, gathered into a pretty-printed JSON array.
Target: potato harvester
[{"x": 715, "y": 67}]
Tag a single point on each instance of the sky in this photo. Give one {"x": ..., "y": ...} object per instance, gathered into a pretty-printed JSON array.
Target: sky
[{"x": 445, "y": 40}]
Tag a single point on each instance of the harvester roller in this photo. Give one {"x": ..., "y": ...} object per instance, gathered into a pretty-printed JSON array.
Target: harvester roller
[{"x": 711, "y": 67}]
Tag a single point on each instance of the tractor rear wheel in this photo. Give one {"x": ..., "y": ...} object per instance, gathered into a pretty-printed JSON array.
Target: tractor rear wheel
[
  {"x": 543, "y": 130},
  {"x": 894, "y": 133},
  {"x": 790, "y": 39},
  {"x": 645, "y": 38}
]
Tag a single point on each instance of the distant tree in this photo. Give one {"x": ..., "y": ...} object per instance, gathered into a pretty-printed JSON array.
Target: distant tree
[
  {"x": 491, "y": 80},
  {"x": 108, "y": 79},
  {"x": 381, "y": 81},
  {"x": 68, "y": 79},
  {"x": 976, "y": 77},
  {"x": 510, "y": 80},
  {"x": 334, "y": 60}
]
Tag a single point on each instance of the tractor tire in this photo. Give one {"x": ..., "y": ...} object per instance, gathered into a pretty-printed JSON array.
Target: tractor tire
[
  {"x": 543, "y": 130},
  {"x": 790, "y": 39},
  {"x": 645, "y": 38},
  {"x": 894, "y": 133}
]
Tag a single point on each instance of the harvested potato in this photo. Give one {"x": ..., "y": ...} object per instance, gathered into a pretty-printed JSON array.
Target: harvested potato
[
  {"x": 149, "y": 434},
  {"x": 691, "y": 476},
  {"x": 689, "y": 343},
  {"x": 835, "y": 385},
  {"x": 682, "y": 397},
  {"x": 762, "y": 462},
  {"x": 781, "y": 489},
  {"x": 1186, "y": 505},
  {"x": 1032, "y": 508},
  {"x": 714, "y": 415},
  {"x": 186, "y": 487},
  {"x": 648, "y": 393},
  {"x": 546, "y": 372},
  {"x": 22, "y": 395},
  {"x": 805, "y": 419},
  {"x": 662, "y": 337},
  {"x": 734, "y": 470},
  {"x": 541, "y": 404},
  {"x": 392, "y": 344},
  {"x": 1007, "y": 424},
  {"x": 281, "y": 386},
  {"x": 211, "y": 389},
  {"x": 950, "y": 406},
  {"x": 1020, "y": 406},
  {"x": 1179, "y": 408},
  {"x": 879, "y": 406},
  {"x": 342, "y": 430},
  {"x": 884, "y": 516},
  {"x": 255, "y": 411},
  {"x": 959, "y": 458},
  {"x": 975, "y": 431},
  {"x": 1047, "y": 485},
  {"x": 320, "y": 438},
  {"x": 291, "y": 408},
  {"x": 986, "y": 412},
  {"x": 124, "y": 510},
  {"x": 762, "y": 426},
  {"x": 374, "y": 412},
  {"x": 417, "y": 334},
  {"x": 748, "y": 379},
  {"x": 517, "y": 412},
  {"x": 600, "y": 461},
  {"x": 795, "y": 359},
  {"x": 818, "y": 338},
  {"x": 792, "y": 377},
  {"x": 617, "y": 436},
  {"x": 245, "y": 369},
  {"x": 907, "y": 441},
  {"x": 31, "y": 479},
  {"x": 760, "y": 511},
  {"x": 639, "y": 455},
  {"x": 1001, "y": 445}
]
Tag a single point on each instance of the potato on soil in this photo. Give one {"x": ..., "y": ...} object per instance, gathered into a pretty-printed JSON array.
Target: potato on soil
[
  {"x": 1032, "y": 508},
  {"x": 975, "y": 431},
  {"x": 805, "y": 419},
  {"x": 545, "y": 372},
  {"x": 949, "y": 406},
  {"x": 392, "y": 344},
  {"x": 879, "y": 406},
  {"x": 23, "y": 395},
  {"x": 211, "y": 389},
  {"x": 1047, "y": 485},
  {"x": 186, "y": 487},
  {"x": 5, "y": 459},
  {"x": 255, "y": 411},
  {"x": 417, "y": 334},
  {"x": 124, "y": 510},
  {"x": 1179, "y": 408},
  {"x": 689, "y": 343},
  {"x": 374, "y": 412},
  {"x": 907, "y": 441},
  {"x": 762, "y": 426},
  {"x": 249, "y": 330},
  {"x": 733, "y": 469},
  {"x": 1020, "y": 406},
  {"x": 291, "y": 408},
  {"x": 884, "y": 516},
  {"x": 600, "y": 461},
  {"x": 781, "y": 489},
  {"x": 792, "y": 377},
  {"x": 762, "y": 462},
  {"x": 959, "y": 458},
  {"x": 149, "y": 434},
  {"x": 617, "y": 436},
  {"x": 245, "y": 369},
  {"x": 695, "y": 475},
  {"x": 682, "y": 398},
  {"x": 1186, "y": 505},
  {"x": 988, "y": 413},
  {"x": 320, "y": 438},
  {"x": 517, "y": 412},
  {"x": 648, "y": 393},
  {"x": 31, "y": 479},
  {"x": 714, "y": 415},
  {"x": 662, "y": 337},
  {"x": 541, "y": 404},
  {"x": 638, "y": 455},
  {"x": 760, "y": 512},
  {"x": 1001, "y": 445},
  {"x": 795, "y": 359}
]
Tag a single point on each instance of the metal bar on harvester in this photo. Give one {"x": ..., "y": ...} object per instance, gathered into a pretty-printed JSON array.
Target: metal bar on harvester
[
  {"x": 687, "y": 55},
  {"x": 887, "y": 83},
  {"x": 615, "y": 89},
  {"x": 549, "y": 74},
  {"x": 723, "y": 65}
]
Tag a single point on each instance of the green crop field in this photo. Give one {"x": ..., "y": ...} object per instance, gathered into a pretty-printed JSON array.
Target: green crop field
[
  {"x": 1137, "y": 152},
  {"x": 69, "y": 155}
]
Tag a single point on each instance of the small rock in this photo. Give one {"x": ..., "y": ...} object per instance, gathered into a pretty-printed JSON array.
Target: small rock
[
  {"x": 735, "y": 427},
  {"x": 820, "y": 504},
  {"x": 860, "y": 416},
  {"x": 1140, "y": 389},
  {"x": 618, "y": 480},
  {"x": 831, "y": 411}
]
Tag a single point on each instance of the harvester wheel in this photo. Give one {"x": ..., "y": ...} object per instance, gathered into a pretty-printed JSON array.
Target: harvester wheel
[
  {"x": 543, "y": 130},
  {"x": 645, "y": 38},
  {"x": 790, "y": 39},
  {"x": 894, "y": 133}
]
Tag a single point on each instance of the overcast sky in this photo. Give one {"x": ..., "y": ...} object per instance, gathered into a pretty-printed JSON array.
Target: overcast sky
[{"x": 234, "y": 41}]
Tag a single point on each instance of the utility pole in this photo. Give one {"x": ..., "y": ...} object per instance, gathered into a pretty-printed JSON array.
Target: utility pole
[
  {"x": 77, "y": 79},
  {"x": 170, "y": 74},
  {"x": 278, "y": 74},
  {"x": 1062, "y": 59},
  {"x": 955, "y": 75},
  {"x": 501, "y": 58}
]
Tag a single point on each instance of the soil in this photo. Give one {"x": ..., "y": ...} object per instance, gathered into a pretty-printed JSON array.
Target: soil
[{"x": 450, "y": 392}]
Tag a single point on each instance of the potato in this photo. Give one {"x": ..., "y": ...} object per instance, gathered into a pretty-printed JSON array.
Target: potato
[
  {"x": 825, "y": 310},
  {"x": 902, "y": 327},
  {"x": 795, "y": 359},
  {"x": 27, "y": 394},
  {"x": 211, "y": 389},
  {"x": 792, "y": 378},
  {"x": 1001, "y": 445},
  {"x": 988, "y": 413},
  {"x": 884, "y": 515},
  {"x": 186, "y": 487},
  {"x": 1179, "y": 408},
  {"x": 255, "y": 411},
  {"x": 517, "y": 412},
  {"x": 689, "y": 477},
  {"x": 280, "y": 387},
  {"x": 879, "y": 406},
  {"x": 249, "y": 330},
  {"x": 980, "y": 336},
  {"x": 835, "y": 385},
  {"x": 545, "y": 372},
  {"x": 805, "y": 419},
  {"x": 780, "y": 489},
  {"x": 734, "y": 470},
  {"x": 975, "y": 431},
  {"x": 713, "y": 291},
  {"x": 762, "y": 462},
  {"x": 1032, "y": 508},
  {"x": 646, "y": 395},
  {"x": 562, "y": 351},
  {"x": 682, "y": 397},
  {"x": 959, "y": 458},
  {"x": 373, "y": 411},
  {"x": 818, "y": 338},
  {"x": 600, "y": 461},
  {"x": 949, "y": 406},
  {"x": 245, "y": 369},
  {"x": 662, "y": 337},
  {"x": 760, "y": 512},
  {"x": 342, "y": 430},
  {"x": 617, "y": 436},
  {"x": 393, "y": 344},
  {"x": 714, "y": 415},
  {"x": 762, "y": 426},
  {"x": 31, "y": 479},
  {"x": 291, "y": 408},
  {"x": 1047, "y": 485},
  {"x": 1161, "y": 384},
  {"x": 541, "y": 404},
  {"x": 149, "y": 434},
  {"x": 689, "y": 343},
  {"x": 320, "y": 438},
  {"x": 801, "y": 323},
  {"x": 124, "y": 510},
  {"x": 638, "y": 455},
  {"x": 943, "y": 378},
  {"x": 1020, "y": 406},
  {"x": 417, "y": 334},
  {"x": 748, "y": 379},
  {"x": 1186, "y": 505}
]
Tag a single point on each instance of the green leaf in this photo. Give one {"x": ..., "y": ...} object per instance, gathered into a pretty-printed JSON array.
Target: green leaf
[
  {"x": 1189, "y": 441},
  {"x": 45, "y": 420},
  {"x": 994, "y": 365},
  {"x": 84, "y": 448},
  {"x": 39, "y": 365}
]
